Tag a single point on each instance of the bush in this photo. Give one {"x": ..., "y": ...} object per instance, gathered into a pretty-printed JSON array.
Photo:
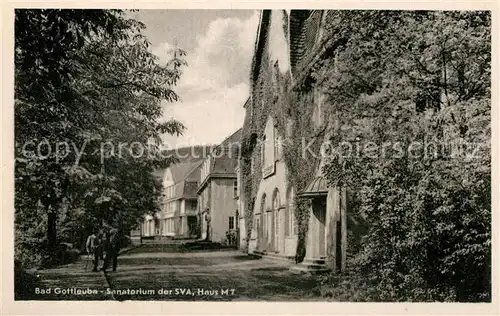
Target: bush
[
  {"x": 400, "y": 81},
  {"x": 24, "y": 282}
]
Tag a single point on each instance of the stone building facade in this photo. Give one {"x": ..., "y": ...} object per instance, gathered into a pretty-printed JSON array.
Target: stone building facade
[
  {"x": 179, "y": 209},
  {"x": 288, "y": 44},
  {"x": 217, "y": 206}
]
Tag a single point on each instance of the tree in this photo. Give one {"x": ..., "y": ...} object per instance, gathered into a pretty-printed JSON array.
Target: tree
[
  {"x": 402, "y": 79},
  {"x": 86, "y": 83}
]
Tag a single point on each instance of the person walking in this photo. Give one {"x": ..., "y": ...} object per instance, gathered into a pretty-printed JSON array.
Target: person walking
[
  {"x": 93, "y": 247},
  {"x": 111, "y": 248}
]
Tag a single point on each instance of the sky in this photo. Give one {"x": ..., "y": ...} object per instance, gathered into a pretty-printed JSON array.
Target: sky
[{"x": 215, "y": 85}]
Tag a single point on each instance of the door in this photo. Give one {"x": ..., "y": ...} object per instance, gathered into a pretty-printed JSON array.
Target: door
[
  {"x": 319, "y": 210},
  {"x": 192, "y": 221},
  {"x": 322, "y": 231}
]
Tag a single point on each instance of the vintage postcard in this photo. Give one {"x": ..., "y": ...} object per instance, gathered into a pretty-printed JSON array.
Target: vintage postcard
[{"x": 311, "y": 155}]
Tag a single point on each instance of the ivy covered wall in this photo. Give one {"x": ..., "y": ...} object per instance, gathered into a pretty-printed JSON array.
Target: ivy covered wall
[{"x": 291, "y": 103}]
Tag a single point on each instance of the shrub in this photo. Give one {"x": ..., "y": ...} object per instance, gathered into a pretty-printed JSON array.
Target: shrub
[{"x": 407, "y": 78}]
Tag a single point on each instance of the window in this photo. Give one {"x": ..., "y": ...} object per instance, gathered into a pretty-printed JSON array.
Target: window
[
  {"x": 191, "y": 206},
  {"x": 263, "y": 149},
  {"x": 257, "y": 227},
  {"x": 269, "y": 226},
  {"x": 292, "y": 228},
  {"x": 235, "y": 188},
  {"x": 261, "y": 232},
  {"x": 264, "y": 225},
  {"x": 277, "y": 145},
  {"x": 269, "y": 150},
  {"x": 231, "y": 222}
]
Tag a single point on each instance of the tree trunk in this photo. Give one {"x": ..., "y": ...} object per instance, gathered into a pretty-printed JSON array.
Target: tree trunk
[{"x": 51, "y": 230}]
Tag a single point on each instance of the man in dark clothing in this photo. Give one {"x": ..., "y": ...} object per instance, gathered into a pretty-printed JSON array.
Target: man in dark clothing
[{"x": 111, "y": 248}]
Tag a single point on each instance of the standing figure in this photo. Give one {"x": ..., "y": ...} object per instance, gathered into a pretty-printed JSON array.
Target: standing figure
[
  {"x": 111, "y": 248},
  {"x": 94, "y": 248}
]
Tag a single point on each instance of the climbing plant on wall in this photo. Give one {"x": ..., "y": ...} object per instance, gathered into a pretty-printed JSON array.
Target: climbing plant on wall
[{"x": 291, "y": 108}]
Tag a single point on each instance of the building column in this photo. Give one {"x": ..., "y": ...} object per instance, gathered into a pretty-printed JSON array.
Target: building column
[
  {"x": 336, "y": 218},
  {"x": 332, "y": 214},
  {"x": 343, "y": 219}
]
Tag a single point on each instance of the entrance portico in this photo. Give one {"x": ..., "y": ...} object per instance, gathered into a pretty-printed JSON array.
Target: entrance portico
[
  {"x": 317, "y": 192},
  {"x": 326, "y": 235}
]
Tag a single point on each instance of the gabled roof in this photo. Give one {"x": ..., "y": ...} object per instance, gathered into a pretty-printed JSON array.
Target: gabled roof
[
  {"x": 224, "y": 165},
  {"x": 227, "y": 163},
  {"x": 189, "y": 153},
  {"x": 184, "y": 189},
  {"x": 233, "y": 138},
  {"x": 194, "y": 174},
  {"x": 186, "y": 177},
  {"x": 181, "y": 171},
  {"x": 185, "y": 156},
  {"x": 231, "y": 143}
]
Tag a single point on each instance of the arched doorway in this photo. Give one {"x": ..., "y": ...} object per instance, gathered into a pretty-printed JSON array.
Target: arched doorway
[
  {"x": 290, "y": 213},
  {"x": 316, "y": 192}
]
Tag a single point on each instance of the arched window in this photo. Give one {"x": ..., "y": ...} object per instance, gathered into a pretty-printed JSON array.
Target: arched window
[
  {"x": 290, "y": 229},
  {"x": 263, "y": 220},
  {"x": 259, "y": 219},
  {"x": 276, "y": 219},
  {"x": 277, "y": 145},
  {"x": 276, "y": 199},
  {"x": 263, "y": 204}
]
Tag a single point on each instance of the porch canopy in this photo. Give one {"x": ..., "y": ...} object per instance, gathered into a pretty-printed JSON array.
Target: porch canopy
[{"x": 317, "y": 188}]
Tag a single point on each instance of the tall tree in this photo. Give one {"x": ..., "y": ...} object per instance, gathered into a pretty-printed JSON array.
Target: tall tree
[{"x": 88, "y": 112}]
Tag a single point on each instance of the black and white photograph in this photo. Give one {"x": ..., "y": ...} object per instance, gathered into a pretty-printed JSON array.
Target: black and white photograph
[{"x": 252, "y": 155}]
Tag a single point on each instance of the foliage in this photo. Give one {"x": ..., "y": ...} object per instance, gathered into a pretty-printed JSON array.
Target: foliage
[
  {"x": 86, "y": 78},
  {"x": 301, "y": 166},
  {"x": 231, "y": 237},
  {"x": 296, "y": 105},
  {"x": 400, "y": 79},
  {"x": 291, "y": 106},
  {"x": 409, "y": 95}
]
